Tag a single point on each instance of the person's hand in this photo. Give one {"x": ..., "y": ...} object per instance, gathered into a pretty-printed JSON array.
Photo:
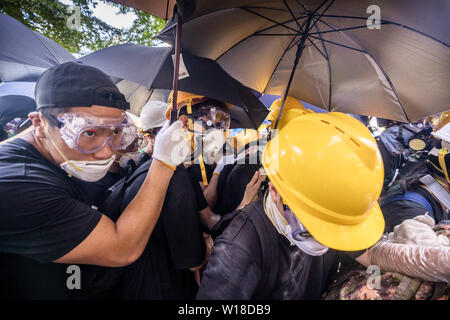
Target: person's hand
[
  {"x": 172, "y": 145},
  {"x": 418, "y": 231},
  {"x": 251, "y": 191},
  {"x": 149, "y": 148}
]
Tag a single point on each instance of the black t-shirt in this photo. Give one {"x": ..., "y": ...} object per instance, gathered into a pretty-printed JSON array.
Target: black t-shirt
[
  {"x": 176, "y": 244},
  {"x": 196, "y": 171},
  {"x": 44, "y": 214},
  {"x": 231, "y": 186}
]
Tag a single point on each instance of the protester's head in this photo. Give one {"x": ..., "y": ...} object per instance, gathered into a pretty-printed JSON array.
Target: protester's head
[
  {"x": 152, "y": 119},
  {"x": 328, "y": 170},
  {"x": 439, "y": 159},
  {"x": 80, "y": 120},
  {"x": 292, "y": 108},
  {"x": 207, "y": 119}
]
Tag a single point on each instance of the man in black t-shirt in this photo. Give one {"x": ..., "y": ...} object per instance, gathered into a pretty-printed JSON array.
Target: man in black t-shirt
[
  {"x": 175, "y": 248},
  {"x": 48, "y": 220}
]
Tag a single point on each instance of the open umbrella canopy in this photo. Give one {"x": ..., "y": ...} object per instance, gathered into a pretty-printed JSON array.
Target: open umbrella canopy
[
  {"x": 152, "y": 67},
  {"x": 15, "y": 106},
  {"x": 24, "y": 53},
  {"x": 324, "y": 53}
]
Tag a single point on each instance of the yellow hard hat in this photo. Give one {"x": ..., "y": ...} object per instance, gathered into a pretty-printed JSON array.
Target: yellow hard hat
[
  {"x": 242, "y": 138},
  {"x": 329, "y": 171},
  {"x": 441, "y": 126},
  {"x": 182, "y": 99},
  {"x": 292, "y": 109}
]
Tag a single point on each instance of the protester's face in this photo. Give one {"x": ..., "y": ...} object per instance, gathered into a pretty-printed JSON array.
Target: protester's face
[{"x": 52, "y": 133}]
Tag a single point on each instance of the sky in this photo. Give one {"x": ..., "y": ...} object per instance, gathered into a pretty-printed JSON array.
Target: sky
[{"x": 108, "y": 14}]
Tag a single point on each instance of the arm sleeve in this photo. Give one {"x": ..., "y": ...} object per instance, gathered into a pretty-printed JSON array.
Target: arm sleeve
[
  {"x": 231, "y": 274},
  {"x": 42, "y": 221},
  {"x": 181, "y": 223}
]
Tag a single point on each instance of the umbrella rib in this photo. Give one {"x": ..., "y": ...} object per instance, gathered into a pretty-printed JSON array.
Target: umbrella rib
[
  {"x": 292, "y": 15},
  {"x": 329, "y": 68},
  {"x": 338, "y": 44},
  {"x": 269, "y": 19},
  {"x": 389, "y": 22},
  {"x": 314, "y": 45},
  {"x": 304, "y": 7},
  {"x": 256, "y": 34},
  {"x": 323, "y": 12},
  {"x": 346, "y": 29},
  {"x": 285, "y": 22},
  {"x": 379, "y": 66},
  {"x": 289, "y": 47}
]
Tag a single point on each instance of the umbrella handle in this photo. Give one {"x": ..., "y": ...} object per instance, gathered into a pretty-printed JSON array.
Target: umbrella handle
[{"x": 176, "y": 69}]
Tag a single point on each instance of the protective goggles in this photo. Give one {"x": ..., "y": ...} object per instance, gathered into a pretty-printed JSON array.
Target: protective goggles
[
  {"x": 211, "y": 117},
  {"x": 89, "y": 134}
]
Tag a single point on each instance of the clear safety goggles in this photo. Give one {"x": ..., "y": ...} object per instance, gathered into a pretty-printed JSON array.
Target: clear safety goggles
[
  {"x": 299, "y": 232},
  {"x": 89, "y": 134},
  {"x": 210, "y": 117}
]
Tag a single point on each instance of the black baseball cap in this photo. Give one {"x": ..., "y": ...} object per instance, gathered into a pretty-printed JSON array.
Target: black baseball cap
[{"x": 73, "y": 84}]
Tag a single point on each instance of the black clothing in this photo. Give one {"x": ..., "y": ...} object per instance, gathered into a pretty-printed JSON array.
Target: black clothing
[
  {"x": 397, "y": 211},
  {"x": 175, "y": 245},
  {"x": 196, "y": 171},
  {"x": 44, "y": 214},
  {"x": 237, "y": 265},
  {"x": 200, "y": 197},
  {"x": 231, "y": 186}
]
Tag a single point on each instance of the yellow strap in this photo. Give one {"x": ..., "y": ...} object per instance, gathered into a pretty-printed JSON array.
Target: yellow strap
[
  {"x": 203, "y": 170},
  {"x": 200, "y": 158},
  {"x": 442, "y": 154}
]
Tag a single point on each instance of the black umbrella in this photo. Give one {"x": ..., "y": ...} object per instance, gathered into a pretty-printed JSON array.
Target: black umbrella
[
  {"x": 329, "y": 53},
  {"x": 153, "y": 68},
  {"x": 24, "y": 53},
  {"x": 15, "y": 106}
]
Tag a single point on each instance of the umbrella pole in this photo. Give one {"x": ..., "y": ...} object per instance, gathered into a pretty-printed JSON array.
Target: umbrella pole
[
  {"x": 298, "y": 55},
  {"x": 173, "y": 112}
]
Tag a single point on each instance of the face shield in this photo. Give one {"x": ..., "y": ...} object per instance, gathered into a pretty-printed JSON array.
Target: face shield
[
  {"x": 88, "y": 134},
  {"x": 210, "y": 117}
]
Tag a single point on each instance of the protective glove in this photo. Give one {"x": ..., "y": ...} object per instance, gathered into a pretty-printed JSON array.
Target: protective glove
[
  {"x": 225, "y": 160},
  {"x": 172, "y": 145},
  {"x": 418, "y": 231}
]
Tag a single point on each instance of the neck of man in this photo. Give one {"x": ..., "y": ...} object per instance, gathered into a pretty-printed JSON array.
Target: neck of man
[{"x": 43, "y": 150}]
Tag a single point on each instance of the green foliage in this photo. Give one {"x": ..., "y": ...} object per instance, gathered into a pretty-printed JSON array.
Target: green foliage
[{"x": 50, "y": 17}]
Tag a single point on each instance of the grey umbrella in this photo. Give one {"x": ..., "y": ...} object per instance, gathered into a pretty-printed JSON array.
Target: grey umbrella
[
  {"x": 322, "y": 51},
  {"x": 24, "y": 53},
  {"x": 152, "y": 67}
]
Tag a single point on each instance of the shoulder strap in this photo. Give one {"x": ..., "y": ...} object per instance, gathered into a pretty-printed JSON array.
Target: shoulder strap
[{"x": 269, "y": 244}]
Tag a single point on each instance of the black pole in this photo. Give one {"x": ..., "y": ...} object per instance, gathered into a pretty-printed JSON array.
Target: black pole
[
  {"x": 298, "y": 55},
  {"x": 173, "y": 113}
]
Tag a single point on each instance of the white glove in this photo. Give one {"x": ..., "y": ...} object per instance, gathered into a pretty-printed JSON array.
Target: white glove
[
  {"x": 225, "y": 160},
  {"x": 418, "y": 231},
  {"x": 172, "y": 145}
]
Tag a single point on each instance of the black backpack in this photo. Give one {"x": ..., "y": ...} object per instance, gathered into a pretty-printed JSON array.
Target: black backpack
[
  {"x": 268, "y": 237},
  {"x": 113, "y": 200}
]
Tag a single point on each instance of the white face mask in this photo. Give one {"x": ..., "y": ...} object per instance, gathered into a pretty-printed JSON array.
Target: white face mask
[
  {"x": 213, "y": 146},
  {"x": 90, "y": 171},
  {"x": 308, "y": 245},
  {"x": 135, "y": 156}
]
